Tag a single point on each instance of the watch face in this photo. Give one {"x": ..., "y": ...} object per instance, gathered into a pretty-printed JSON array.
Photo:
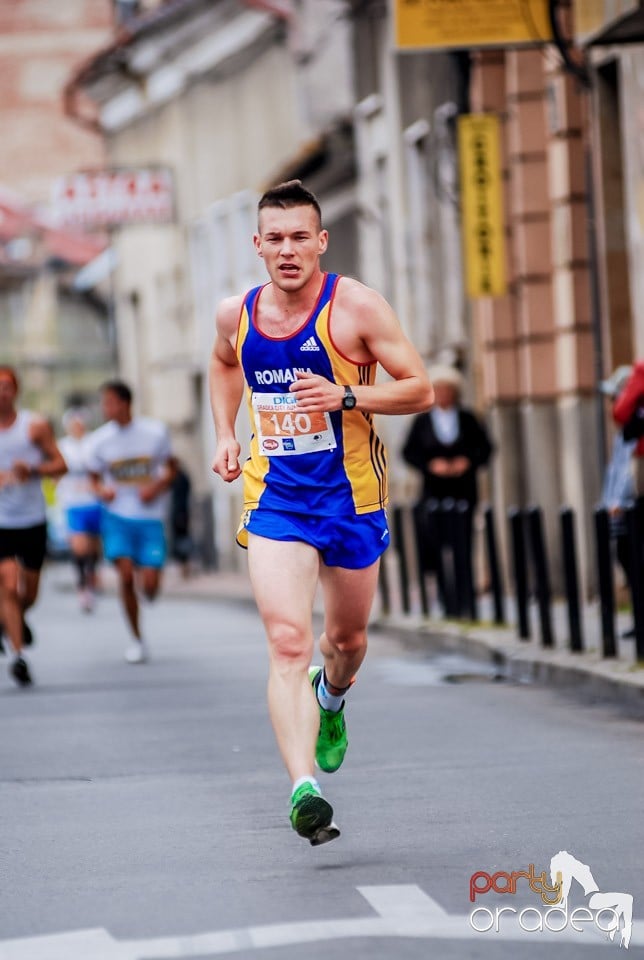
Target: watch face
[{"x": 349, "y": 401}]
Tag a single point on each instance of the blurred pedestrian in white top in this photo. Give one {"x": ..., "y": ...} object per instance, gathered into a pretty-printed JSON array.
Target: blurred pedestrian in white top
[{"x": 77, "y": 497}]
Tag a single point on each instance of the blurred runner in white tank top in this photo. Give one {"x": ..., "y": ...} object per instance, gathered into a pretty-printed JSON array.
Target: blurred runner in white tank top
[{"x": 28, "y": 452}]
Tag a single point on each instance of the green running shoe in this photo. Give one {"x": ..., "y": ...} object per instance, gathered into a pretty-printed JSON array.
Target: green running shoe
[
  {"x": 332, "y": 739},
  {"x": 312, "y": 816}
]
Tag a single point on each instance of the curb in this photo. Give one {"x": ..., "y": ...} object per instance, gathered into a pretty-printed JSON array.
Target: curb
[{"x": 595, "y": 680}]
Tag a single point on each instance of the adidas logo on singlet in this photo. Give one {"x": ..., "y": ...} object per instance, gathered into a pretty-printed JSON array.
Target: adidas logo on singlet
[{"x": 310, "y": 344}]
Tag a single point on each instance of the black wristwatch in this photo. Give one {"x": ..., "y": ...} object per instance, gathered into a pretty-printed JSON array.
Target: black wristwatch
[{"x": 349, "y": 399}]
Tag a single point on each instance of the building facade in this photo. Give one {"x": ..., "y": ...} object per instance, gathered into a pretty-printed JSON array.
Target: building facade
[
  {"x": 234, "y": 96},
  {"x": 40, "y": 44}
]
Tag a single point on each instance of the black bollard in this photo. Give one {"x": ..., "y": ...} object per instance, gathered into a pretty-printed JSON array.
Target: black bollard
[
  {"x": 541, "y": 575},
  {"x": 449, "y": 586},
  {"x": 403, "y": 572},
  {"x": 493, "y": 566},
  {"x": 463, "y": 573},
  {"x": 420, "y": 528},
  {"x": 635, "y": 531},
  {"x": 571, "y": 577},
  {"x": 520, "y": 571},
  {"x": 605, "y": 578}
]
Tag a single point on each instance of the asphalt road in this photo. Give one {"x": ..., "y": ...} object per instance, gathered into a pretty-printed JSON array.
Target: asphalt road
[{"x": 144, "y": 810}]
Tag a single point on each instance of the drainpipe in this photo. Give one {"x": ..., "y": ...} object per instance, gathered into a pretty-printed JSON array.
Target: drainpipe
[{"x": 397, "y": 225}]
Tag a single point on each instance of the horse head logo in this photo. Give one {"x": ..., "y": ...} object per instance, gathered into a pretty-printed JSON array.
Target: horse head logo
[{"x": 565, "y": 868}]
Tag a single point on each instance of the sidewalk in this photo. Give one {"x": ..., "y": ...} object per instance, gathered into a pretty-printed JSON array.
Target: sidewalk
[{"x": 620, "y": 678}]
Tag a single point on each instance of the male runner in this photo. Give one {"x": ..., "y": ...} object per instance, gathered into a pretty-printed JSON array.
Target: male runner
[
  {"x": 132, "y": 468},
  {"x": 28, "y": 452},
  {"x": 303, "y": 349}
]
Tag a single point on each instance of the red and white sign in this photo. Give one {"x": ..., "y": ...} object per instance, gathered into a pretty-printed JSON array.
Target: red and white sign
[{"x": 110, "y": 198}]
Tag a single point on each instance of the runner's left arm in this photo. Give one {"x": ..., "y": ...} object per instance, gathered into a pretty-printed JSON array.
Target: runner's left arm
[
  {"x": 379, "y": 335},
  {"x": 42, "y": 435}
]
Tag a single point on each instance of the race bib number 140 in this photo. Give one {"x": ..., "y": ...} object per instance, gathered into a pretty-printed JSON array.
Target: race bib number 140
[{"x": 282, "y": 430}]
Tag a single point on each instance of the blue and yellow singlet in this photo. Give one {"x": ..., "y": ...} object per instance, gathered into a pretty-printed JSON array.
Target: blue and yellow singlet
[{"x": 311, "y": 463}]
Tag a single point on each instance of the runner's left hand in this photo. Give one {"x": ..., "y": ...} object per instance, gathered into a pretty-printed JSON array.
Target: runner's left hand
[{"x": 315, "y": 393}]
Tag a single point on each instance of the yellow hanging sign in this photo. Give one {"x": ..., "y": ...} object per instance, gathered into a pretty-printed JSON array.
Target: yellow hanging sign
[
  {"x": 482, "y": 220},
  {"x": 445, "y": 24}
]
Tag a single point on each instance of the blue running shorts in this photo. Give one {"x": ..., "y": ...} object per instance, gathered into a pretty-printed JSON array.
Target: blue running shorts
[
  {"x": 142, "y": 541},
  {"x": 352, "y": 542},
  {"x": 86, "y": 519}
]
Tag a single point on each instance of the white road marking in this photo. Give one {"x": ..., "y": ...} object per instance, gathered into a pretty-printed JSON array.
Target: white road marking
[
  {"x": 97, "y": 944},
  {"x": 402, "y": 911},
  {"x": 402, "y": 902}
]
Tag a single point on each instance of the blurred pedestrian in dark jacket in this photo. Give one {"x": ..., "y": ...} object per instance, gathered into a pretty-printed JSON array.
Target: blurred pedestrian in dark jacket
[{"x": 448, "y": 445}]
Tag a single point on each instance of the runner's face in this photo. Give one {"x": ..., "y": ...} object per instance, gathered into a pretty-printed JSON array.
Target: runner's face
[
  {"x": 8, "y": 393},
  {"x": 290, "y": 243},
  {"x": 114, "y": 408}
]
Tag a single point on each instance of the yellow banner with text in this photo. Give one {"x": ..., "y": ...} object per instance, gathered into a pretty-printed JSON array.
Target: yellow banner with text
[
  {"x": 445, "y": 24},
  {"x": 482, "y": 220}
]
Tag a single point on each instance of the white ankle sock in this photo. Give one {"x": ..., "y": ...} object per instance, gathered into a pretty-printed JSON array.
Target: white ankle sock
[
  {"x": 329, "y": 701},
  {"x": 311, "y": 780}
]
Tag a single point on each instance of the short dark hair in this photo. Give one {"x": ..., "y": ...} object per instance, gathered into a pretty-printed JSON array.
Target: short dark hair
[
  {"x": 120, "y": 388},
  {"x": 292, "y": 193},
  {"x": 7, "y": 371}
]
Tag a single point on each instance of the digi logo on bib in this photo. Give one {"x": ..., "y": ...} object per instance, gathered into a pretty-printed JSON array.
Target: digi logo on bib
[{"x": 288, "y": 443}]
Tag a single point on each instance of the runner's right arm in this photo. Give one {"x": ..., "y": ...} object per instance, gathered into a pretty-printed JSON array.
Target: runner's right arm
[
  {"x": 226, "y": 383},
  {"x": 104, "y": 493}
]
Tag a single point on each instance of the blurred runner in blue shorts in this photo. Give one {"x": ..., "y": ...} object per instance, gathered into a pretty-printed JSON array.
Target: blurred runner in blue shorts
[{"x": 132, "y": 468}]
